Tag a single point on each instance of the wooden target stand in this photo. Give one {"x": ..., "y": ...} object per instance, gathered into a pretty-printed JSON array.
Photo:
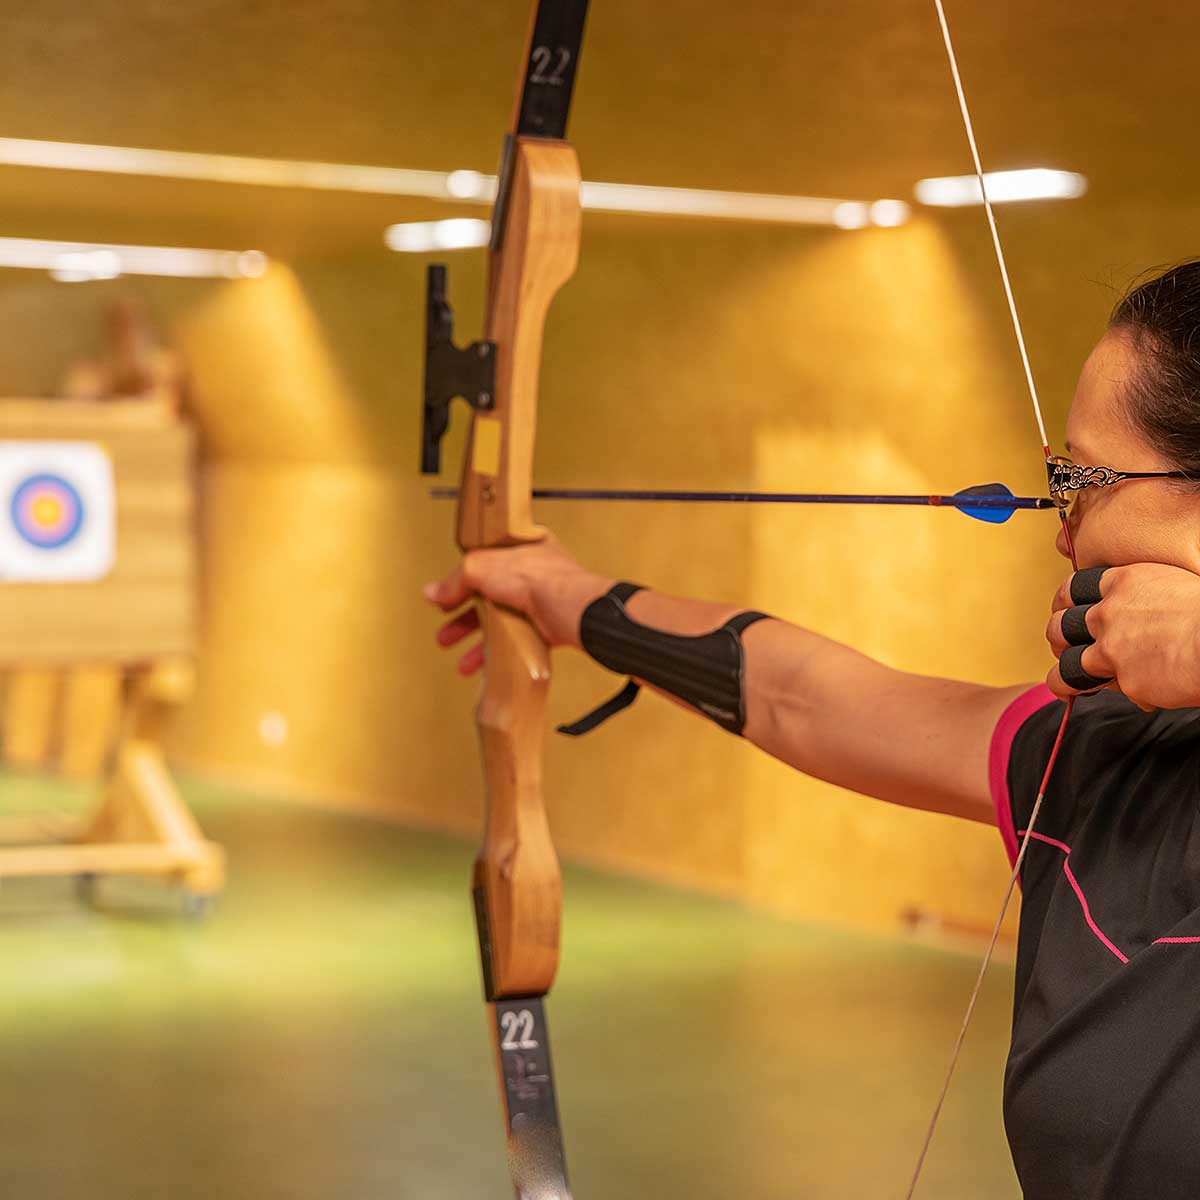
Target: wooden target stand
[{"x": 93, "y": 669}]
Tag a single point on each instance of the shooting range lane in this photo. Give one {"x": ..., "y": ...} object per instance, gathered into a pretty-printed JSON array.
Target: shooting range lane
[{"x": 284, "y": 1049}]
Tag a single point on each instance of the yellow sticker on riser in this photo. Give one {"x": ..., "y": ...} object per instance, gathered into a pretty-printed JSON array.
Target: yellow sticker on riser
[{"x": 485, "y": 447}]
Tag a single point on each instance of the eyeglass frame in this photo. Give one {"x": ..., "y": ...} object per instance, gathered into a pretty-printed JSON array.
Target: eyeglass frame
[{"x": 1080, "y": 478}]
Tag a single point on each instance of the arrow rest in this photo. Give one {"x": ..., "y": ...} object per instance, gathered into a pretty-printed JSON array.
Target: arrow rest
[{"x": 450, "y": 370}]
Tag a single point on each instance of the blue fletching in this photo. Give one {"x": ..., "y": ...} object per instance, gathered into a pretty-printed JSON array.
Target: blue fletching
[{"x": 993, "y": 514}]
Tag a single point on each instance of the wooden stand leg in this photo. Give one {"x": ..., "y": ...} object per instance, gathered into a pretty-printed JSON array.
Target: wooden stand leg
[
  {"x": 142, "y": 807},
  {"x": 30, "y": 701},
  {"x": 142, "y": 825},
  {"x": 90, "y": 711}
]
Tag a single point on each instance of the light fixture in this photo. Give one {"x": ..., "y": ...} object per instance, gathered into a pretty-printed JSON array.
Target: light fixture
[
  {"x": 850, "y": 214},
  {"x": 462, "y": 186},
  {"x": 79, "y": 266},
  {"x": 75, "y": 262},
  {"x": 1003, "y": 187},
  {"x": 222, "y": 168},
  {"x": 471, "y": 185},
  {"x": 734, "y": 206},
  {"x": 418, "y": 237},
  {"x": 889, "y": 213}
]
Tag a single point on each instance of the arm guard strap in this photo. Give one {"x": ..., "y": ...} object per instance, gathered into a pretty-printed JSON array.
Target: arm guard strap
[{"x": 705, "y": 672}]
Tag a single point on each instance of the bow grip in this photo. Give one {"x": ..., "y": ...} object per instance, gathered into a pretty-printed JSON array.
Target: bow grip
[{"x": 517, "y": 884}]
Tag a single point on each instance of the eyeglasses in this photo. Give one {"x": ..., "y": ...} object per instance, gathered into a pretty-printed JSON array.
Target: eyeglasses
[{"x": 1067, "y": 479}]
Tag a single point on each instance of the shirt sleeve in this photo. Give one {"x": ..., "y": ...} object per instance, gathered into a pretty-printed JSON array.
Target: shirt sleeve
[
  {"x": 1106, "y": 732},
  {"x": 1016, "y": 716}
]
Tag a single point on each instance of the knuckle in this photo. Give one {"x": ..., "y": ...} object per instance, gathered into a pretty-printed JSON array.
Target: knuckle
[
  {"x": 472, "y": 565},
  {"x": 1114, "y": 579}
]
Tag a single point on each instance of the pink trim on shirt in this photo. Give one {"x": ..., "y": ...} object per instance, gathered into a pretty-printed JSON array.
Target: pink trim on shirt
[
  {"x": 1087, "y": 912},
  {"x": 1013, "y": 717}
]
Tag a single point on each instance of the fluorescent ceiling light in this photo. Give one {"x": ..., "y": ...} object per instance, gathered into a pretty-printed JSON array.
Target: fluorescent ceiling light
[
  {"x": 222, "y": 168},
  {"x": 420, "y": 237},
  {"x": 80, "y": 266},
  {"x": 459, "y": 233},
  {"x": 469, "y": 187},
  {"x": 889, "y": 213},
  {"x": 1003, "y": 187},
  {"x": 735, "y": 206},
  {"x": 74, "y": 262}
]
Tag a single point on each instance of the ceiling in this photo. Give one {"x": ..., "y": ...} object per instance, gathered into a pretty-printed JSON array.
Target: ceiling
[{"x": 845, "y": 98}]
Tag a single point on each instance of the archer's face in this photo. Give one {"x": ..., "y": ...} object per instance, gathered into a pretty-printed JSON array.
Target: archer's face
[{"x": 1136, "y": 520}]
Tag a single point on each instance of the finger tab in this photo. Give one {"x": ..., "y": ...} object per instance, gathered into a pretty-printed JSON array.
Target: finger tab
[
  {"x": 1075, "y": 625},
  {"x": 1085, "y": 585},
  {"x": 1070, "y": 667}
]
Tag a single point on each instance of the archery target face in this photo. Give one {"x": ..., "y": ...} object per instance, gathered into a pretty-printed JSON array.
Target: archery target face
[
  {"x": 46, "y": 511},
  {"x": 57, "y": 521}
]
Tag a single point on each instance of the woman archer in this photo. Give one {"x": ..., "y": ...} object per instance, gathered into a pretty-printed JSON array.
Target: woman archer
[{"x": 1102, "y": 1085}]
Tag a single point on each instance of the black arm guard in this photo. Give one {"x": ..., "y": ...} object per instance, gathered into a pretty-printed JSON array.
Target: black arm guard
[{"x": 705, "y": 671}]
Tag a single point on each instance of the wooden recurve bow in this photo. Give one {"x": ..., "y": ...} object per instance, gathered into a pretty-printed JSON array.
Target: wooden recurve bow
[{"x": 516, "y": 883}]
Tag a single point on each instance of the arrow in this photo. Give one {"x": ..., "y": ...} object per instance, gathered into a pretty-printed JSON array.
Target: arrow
[{"x": 990, "y": 502}]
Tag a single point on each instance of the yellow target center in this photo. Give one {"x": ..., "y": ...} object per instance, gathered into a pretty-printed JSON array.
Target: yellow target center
[{"x": 47, "y": 510}]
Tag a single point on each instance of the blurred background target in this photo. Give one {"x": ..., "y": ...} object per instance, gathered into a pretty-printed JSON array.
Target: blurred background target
[
  {"x": 57, "y": 513},
  {"x": 47, "y": 511}
]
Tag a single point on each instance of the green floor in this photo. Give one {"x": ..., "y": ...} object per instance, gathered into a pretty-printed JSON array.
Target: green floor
[{"x": 322, "y": 1037}]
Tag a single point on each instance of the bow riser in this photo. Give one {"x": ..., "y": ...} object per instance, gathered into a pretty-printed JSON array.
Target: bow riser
[
  {"x": 538, "y": 254},
  {"x": 517, "y": 878}
]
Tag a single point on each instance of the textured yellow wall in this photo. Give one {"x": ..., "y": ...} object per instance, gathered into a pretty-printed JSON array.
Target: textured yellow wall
[
  {"x": 701, "y": 357},
  {"x": 681, "y": 355}
]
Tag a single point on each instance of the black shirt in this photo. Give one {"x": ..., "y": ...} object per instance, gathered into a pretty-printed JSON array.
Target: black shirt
[{"x": 1102, "y": 1088}]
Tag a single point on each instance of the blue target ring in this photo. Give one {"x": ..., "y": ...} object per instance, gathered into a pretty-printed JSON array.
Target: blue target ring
[{"x": 47, "y": 511}]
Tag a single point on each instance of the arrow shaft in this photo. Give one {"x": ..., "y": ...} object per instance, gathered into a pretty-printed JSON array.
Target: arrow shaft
[{"x": 1003, "y": 503}]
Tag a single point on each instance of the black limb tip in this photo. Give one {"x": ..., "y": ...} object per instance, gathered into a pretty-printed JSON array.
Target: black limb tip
[
  {"x": 550, "y": 72},
  {"x": 534, "y": 1136},
  {"x": 450, "y": 371}
]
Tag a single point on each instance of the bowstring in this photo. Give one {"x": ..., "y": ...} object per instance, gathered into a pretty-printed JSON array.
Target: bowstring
[
  {"x": 991, "y": 220},
  {"x": 1062, "y": 728}
]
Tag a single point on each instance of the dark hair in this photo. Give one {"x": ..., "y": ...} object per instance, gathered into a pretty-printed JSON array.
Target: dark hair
[{"x": 1162, "y": 316}]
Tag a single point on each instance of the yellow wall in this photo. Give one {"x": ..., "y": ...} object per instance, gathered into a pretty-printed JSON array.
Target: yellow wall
[{"x": 681, "y": 355}]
